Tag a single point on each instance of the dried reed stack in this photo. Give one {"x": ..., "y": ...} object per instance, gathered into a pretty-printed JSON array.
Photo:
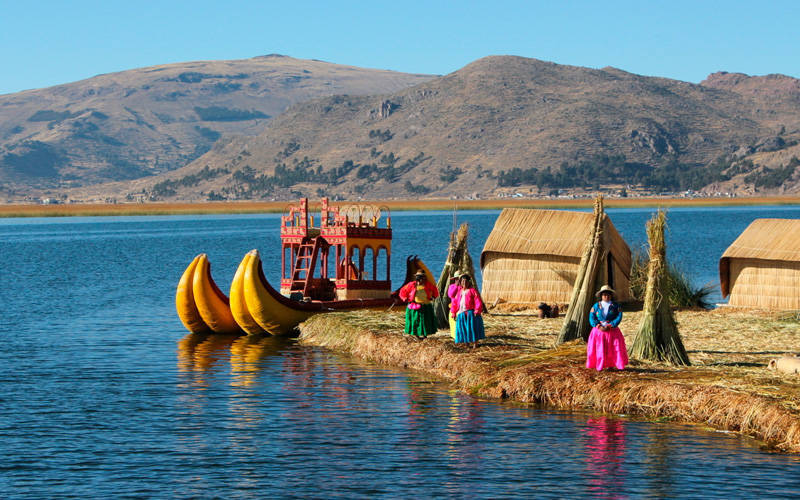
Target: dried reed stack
[
  {"x": 458, "y": 260},
  {"x": 576, "y": 320},
  {"x": 658, "y": 337}
]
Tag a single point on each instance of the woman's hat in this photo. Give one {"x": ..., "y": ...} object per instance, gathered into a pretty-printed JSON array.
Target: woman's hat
[
  {"x": 457, "y": 275},
  {"x": 605, "y": 288}
]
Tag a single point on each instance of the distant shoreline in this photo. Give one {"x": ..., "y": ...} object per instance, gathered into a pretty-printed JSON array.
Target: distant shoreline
[{"x": 251, "y": 207}]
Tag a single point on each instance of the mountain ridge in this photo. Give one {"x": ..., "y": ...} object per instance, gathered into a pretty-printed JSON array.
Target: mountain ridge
[
  {"x": 466, "y": 128},
  {"x": 500, "y": 124},
  {"x": 151, "y": 120}
]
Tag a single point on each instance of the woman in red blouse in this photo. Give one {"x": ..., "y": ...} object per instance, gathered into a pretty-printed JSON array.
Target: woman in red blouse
[{"x": 420, "y": 318}]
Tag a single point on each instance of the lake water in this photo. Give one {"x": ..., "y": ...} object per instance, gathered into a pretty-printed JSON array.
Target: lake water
[{"x": 103, "y": 394}]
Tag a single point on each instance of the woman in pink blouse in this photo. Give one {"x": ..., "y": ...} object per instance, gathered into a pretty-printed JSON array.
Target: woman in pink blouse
[{"x": 466, "y": 307}]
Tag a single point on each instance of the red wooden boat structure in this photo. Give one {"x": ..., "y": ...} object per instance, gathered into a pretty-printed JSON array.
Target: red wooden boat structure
[{"x": 339, "y": 260}]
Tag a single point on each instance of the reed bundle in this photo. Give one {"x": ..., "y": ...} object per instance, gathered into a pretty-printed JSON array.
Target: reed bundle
[
  {"x": 576, "y": 320},
  {"x": 681, "y": 292},
  {"x": 458, "y": 260},
  {"x": 658, "y": 337}
]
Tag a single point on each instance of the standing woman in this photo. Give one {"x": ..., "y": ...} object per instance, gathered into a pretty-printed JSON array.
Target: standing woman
[
  {"x": 606, "y": 347},
  {"x": 420, "y": 318},
  {"x": 453, "y": 285},
  {"x": 466, "y": 307}
]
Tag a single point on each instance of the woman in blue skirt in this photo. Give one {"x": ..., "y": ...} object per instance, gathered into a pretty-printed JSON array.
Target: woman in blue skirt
[{"x": 466, "y": 307}]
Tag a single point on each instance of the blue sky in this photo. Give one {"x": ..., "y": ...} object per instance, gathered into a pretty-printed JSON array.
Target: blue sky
[{"x": 48, "y": 42}]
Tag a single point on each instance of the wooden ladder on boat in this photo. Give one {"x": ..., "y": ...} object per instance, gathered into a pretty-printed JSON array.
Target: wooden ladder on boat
[{"x": 305, "y": 262}]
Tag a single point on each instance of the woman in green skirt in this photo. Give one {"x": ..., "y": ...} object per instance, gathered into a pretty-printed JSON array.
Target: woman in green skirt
[{"x": 420, "y": 318}]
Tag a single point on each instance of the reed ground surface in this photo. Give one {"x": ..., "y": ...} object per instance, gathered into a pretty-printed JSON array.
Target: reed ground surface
[
  {"x": 105, "y": 209},
  {"x": 727, "y": 387}
]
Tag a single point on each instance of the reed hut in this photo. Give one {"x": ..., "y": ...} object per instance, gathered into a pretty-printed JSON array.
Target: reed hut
[
  {"x": 532, "y": 256},
  {"x": 761, "y": 269}
]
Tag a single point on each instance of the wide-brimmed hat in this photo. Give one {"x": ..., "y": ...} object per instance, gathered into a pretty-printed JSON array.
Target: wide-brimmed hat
[
  {"x": 605, "y": 288},
  {"x": 457, "y": 274}
]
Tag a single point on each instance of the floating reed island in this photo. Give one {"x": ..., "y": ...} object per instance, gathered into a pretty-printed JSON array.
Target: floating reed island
[{"x": 727, "y": 387}]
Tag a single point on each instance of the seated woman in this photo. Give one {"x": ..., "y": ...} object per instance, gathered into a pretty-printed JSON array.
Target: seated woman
[
  {"x": 466, "y": 307},
  {"x": 606, "y": 346},
  {"x": 349, "y": 269},
  {"x": 420, "y": 318}
]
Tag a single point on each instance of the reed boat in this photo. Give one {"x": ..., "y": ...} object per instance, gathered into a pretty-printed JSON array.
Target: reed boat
[{"x": 323, "y": 269}]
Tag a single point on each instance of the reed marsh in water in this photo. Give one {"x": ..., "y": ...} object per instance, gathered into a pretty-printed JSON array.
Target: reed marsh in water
[{"x": 249, "y": 207}]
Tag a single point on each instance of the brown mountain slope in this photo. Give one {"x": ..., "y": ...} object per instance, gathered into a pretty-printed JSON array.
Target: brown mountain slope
[
  {"x": 452, "y": 135},
  {"x": 151, "y": 120},
  {"x": 773, "y": 100}
]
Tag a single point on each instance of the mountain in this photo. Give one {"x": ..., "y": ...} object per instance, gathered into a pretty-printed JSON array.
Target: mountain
[
  {"x": 502, "y": 123},
  {"x": 147, "y": 121}
]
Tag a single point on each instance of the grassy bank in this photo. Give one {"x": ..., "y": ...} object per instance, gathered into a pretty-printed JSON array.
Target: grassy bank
[
  {"x": 728, "y": 387},
  {"x": 248, "y": 207}
]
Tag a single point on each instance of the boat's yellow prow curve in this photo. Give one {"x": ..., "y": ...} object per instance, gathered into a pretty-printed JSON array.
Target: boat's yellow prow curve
[
  {"x": 211, "y": 303},
  {"x": 184, "y": 302},
  {"x": 238, "y": 302},
  {"x": 263, "y": 305}
]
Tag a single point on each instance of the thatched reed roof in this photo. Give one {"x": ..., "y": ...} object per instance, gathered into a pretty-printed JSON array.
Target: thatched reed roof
[
  {"x": 764, "y": 239},
  {"x": 551, "y": 232}
]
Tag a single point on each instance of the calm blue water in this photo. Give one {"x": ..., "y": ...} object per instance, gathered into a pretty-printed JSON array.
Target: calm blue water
[{"x": 103, "y": 394}]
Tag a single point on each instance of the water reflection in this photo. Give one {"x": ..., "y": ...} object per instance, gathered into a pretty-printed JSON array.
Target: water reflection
[
  {"x": 292, "y": 412},
  {"x": 247, "y": 355},
  {"x": 466, "y": 438},
  {"x": 659, "y": 463},
  {"x": 604, "y": 444},
  {"x": 202, "y": 352}
]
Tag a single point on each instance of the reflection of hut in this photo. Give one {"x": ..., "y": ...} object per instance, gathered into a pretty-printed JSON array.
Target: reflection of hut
[
  {"x": 762, "y": 267},
  {"x": 533, "y": 256}
]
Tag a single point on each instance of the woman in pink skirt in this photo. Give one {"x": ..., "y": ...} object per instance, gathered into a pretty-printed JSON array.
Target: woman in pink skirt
[{"x": 606, "y": 347}]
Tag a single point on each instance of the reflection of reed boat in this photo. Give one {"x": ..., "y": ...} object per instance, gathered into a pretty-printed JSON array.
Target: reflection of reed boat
[{"x": 325, "y": 268}]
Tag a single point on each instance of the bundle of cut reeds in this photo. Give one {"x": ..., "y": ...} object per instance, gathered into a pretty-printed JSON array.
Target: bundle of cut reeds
[
  {"x": 458, "y": 260},
  {"x": 576, "y": 320},
  {"x": 658, "y": 337}
]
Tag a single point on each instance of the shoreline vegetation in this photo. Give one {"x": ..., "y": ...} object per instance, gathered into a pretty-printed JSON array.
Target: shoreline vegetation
[
  {"x": 728, "y": 387},
  {"x": 252, "y": 207}
]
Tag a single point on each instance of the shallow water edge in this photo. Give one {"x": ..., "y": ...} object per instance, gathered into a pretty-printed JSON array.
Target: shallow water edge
[{"x": 557, "y": 378}]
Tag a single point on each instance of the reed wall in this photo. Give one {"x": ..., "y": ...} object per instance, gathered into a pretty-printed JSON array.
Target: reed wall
[
  {"x": 764, "y": 284},
  {"x": 532, "y": 256},
  {"x": 761, "y": 268},
  {"x": 519, "y": 278},
  {"x": 530, "y": 279}
]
